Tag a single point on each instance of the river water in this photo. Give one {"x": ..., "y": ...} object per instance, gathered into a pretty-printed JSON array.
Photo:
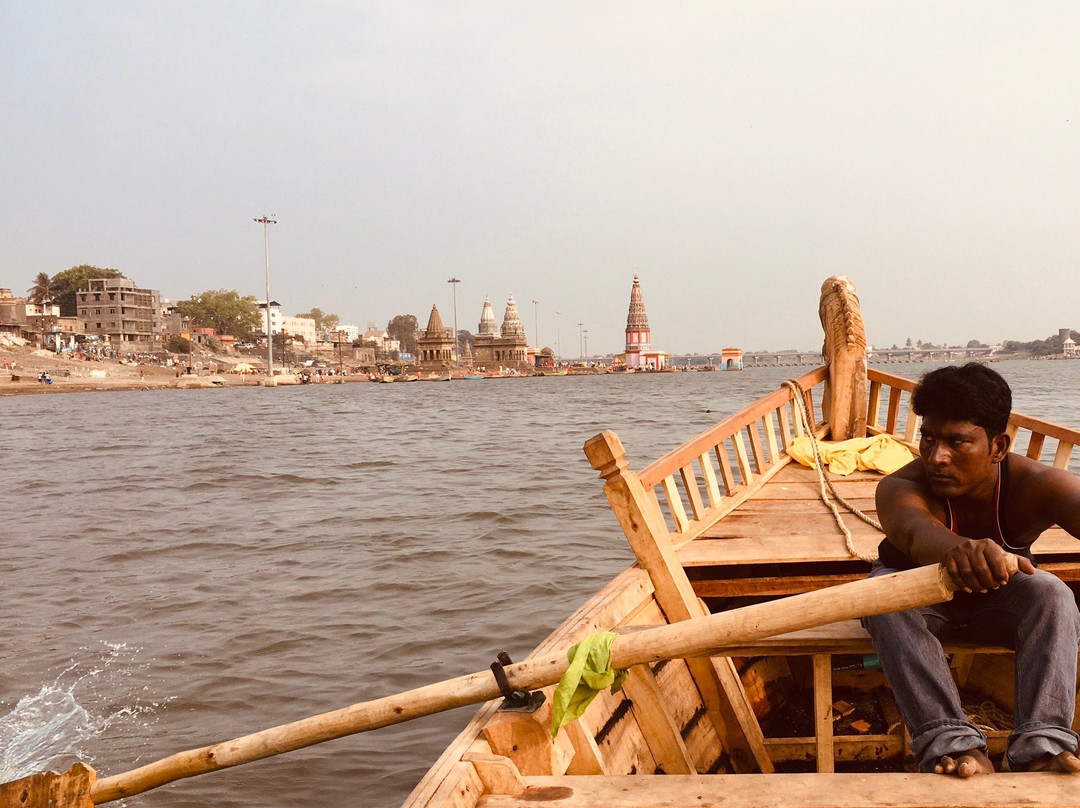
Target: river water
[{"x": 182, "y": 567}]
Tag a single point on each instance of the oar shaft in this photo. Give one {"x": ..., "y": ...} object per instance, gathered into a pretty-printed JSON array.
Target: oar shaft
[{"x": 698, "y": 637}]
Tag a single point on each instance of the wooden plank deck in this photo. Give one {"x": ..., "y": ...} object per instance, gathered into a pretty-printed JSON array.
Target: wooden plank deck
[
  {"x": 794, "y": 791},
  {"x": 786, "y": 523}
]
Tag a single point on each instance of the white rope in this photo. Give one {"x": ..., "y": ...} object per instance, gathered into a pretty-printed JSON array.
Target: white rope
[{"x": 823, "y": 481}]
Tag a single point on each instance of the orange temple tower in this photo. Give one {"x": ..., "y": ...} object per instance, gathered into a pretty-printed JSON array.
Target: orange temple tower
[{"x": 639, "y": 352}]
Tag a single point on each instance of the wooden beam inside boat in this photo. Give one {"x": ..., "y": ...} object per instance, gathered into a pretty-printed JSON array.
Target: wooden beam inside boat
[{"x": 794, "y": 791}]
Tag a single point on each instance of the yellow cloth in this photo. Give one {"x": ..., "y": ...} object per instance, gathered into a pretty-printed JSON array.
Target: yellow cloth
[
  {"x": 590, "y": 672},
  {"x": 880, "y": 453}
]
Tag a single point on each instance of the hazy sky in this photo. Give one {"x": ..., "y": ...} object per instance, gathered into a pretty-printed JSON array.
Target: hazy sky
[{"x": 735, "y": 154}]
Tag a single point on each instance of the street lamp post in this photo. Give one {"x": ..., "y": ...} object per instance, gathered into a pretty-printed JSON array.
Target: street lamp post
[
  {"x": 558, "y": 336},
  {"x": 581, "y": 351},
  {"x": 454, "y": 282},
  {"x": 586, "y": 334},
  {"x": 266, "y": 221},
  {"x": 536, "y": 323}
]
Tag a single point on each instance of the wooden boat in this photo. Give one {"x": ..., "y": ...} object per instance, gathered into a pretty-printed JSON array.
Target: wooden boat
[
  {"x": 724, "y": 520},
  {"x": 560, "y": 372}
]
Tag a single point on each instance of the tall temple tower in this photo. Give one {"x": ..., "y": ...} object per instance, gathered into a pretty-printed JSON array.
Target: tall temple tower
[
  {"x": 435, "y": 344},
  {"x": 639, "y": 353},
  {"x": 505, "y": 347}
]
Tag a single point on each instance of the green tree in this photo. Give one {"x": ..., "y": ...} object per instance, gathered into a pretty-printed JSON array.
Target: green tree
[
  {"x": 177, "y": 344},
  {"x": 65, "y": 284},
  {"x": 224, "y": 311},
  {"x": 323, "y": 321},
  {"x": 403, "y": 329},
  {"x": 41, "y": 290}
]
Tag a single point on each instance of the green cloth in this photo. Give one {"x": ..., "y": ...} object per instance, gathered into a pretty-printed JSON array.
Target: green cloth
[{"x": 590, "y": 672}]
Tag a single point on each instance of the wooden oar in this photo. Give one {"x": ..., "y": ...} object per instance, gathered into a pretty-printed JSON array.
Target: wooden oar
[{"x": 702, "y": 636}]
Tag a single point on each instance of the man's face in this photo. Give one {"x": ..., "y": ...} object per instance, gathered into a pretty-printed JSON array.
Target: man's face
[{"x": 958, "y": 456}]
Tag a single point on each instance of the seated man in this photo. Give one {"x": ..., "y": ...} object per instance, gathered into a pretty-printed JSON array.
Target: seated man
[{"x": 965, "y": 502}]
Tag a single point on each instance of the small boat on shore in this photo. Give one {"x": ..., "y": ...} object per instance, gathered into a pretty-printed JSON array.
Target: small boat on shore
[{"x": 751, "y": 682}]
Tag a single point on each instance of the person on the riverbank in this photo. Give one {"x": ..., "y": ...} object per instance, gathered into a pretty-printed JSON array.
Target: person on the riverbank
[{"x": 965, "y": 503}]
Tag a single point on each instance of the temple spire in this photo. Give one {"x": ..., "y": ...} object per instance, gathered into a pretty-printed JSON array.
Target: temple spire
[
  {"x": 434, "y": 323},
  {"x": 488, "y": 326},
  {"x": 512, "y": 326},
  {"x": 637, "y": 319}
]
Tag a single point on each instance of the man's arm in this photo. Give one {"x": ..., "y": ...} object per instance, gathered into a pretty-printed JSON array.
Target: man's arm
[
  {"x": 1056, "y": 493},
  {"x": 975, "y": 565}
]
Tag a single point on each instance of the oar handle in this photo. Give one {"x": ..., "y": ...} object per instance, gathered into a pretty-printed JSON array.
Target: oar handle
[{"x": 701, "y": 636}]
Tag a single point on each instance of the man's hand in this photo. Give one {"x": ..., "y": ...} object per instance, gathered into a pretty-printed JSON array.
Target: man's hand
[{"x": 978, "y": 565}]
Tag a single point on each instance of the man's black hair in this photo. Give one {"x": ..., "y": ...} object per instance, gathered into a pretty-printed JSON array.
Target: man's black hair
[{"x": 971, "y": 392}]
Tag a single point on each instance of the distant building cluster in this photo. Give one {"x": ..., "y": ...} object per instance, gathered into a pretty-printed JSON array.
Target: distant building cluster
[
  {"x": 495, "y": 346},
  {"x": 115, "y": 315}
]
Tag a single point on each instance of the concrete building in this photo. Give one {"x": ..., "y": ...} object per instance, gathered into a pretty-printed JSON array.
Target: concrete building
[
  {"x": 275, "y": 317},
  {"x": 500, "y": 347},
  {"x": 121, "y": 314},
  {"x": 12, "y": 313},
  {"x": 299, "y": 327},
  {"x": 382, "y": 339}
]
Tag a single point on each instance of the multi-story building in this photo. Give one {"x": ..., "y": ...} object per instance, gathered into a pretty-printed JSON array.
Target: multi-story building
[
  {"x": 299, "y": 328},
  {"x": 275, "y": 316},
  {"x": 125, "y": 316},
  {"x": 12, "y": 313}
]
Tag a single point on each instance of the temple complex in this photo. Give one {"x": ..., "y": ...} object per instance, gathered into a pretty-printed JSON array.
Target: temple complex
[
  {"x": 639, "y": 353},
  {"x": 435, "y": 344},
  {"x": 506, "y": 346}
]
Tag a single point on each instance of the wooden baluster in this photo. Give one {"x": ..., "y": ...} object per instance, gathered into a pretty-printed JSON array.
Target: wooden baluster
[
  {"x": 755, "y": 447},
  {"x": 894, "y": 410},
  {"x": 1035, "y": 445},
  {"x": 675, "y": 503},
  {"x": 785, "y": 425},
  {"x": 1012, "y": 430},
  {"x": 1063, "y": 455},
  {"x": 873, "y": 414},
  {"x": 911, "y": 424},
  {"x": 726, "y": 473},
  {"x": 718, "y": 682},
  {"x": 770, "y": 438},
  {"x": 742, "y": 458},
  {"x": 709, "y": 474},
  {"x": 692, "y": 491}
]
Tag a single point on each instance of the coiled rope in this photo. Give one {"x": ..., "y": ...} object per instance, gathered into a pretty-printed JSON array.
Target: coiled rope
[{"x": 823, "y": 481}]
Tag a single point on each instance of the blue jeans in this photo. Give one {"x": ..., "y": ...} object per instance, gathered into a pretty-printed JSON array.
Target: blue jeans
[{"x": 1035, "y": 615}]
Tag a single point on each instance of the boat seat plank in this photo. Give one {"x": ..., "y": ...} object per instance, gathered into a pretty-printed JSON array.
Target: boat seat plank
[
  {"x": 845, "y": 637},
  {"x": 894, "y": 790},
  {"x": 737, "y": 525},
  {"x": 828, "y": 546}
]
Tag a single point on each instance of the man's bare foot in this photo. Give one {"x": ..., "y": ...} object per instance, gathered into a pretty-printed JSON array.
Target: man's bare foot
[
  {"x": 1065, "y": 762},
  {"x": 966, "y": 764}
]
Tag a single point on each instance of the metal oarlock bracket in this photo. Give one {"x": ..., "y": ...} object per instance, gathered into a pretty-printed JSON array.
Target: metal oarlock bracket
[{"x": 514, "y": 701}]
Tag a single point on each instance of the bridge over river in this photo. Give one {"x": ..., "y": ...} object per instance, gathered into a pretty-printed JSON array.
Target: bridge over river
[{"x": 813, "y": 358}]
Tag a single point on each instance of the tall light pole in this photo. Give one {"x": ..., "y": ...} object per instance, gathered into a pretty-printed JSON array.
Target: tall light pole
[
  {"x": 558, "y": 335},
  {"x": 586, "y": 343},
  {"x": 581, "y": 351},
  {"x": 266, "y": 221},
  {"x": 536, "y": 323},
  {"x": 454, "y": 282}
]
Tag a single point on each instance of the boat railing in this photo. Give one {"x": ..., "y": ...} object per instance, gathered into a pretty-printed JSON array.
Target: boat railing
[
  {"x": 704, "y": 479},
  {"x": 890, "y": 412}
]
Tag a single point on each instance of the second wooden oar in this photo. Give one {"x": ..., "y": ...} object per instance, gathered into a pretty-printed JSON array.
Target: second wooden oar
[{"x": 702, "y": 636}]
